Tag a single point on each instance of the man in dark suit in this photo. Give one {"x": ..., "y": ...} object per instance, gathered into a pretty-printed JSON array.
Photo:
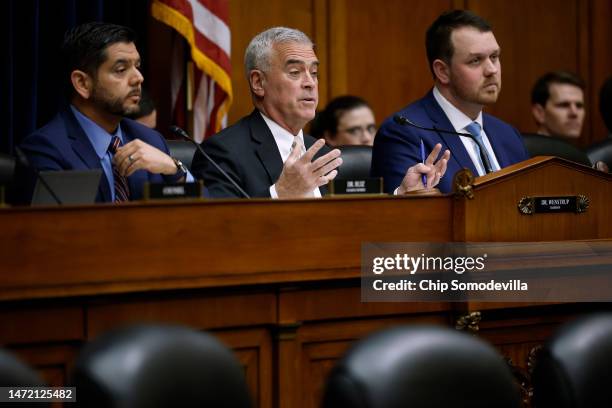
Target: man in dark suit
[
  {"x": 104, "y": 83},
  {"x": 267, "y": 153},
  {"x": 464, "y": 60}
]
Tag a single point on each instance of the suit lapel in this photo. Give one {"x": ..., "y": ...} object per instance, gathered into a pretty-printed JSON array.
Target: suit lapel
[
  {"x": 454, "y": 143},
  {"x": 496, "y": 144},
  {"x": 266, "y": 149},
  {"x": 82, "y": 147}
]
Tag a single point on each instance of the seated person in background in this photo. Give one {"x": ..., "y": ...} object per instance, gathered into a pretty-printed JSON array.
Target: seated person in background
[
  {"x": 346, "y": 120},
  {"x": 557, "y": 105},
  {"x": 266, "y": 153},
  {"x": 103, "y": 85},
  {"x": 146, "y": 114},
  {"x": 464, "y": 59}
]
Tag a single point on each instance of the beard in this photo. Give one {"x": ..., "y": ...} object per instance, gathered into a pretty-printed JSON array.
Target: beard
[{"x": 114, "y": 105}]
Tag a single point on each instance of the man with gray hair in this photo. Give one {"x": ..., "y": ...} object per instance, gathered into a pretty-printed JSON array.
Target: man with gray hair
[{"x": 266, "y": 152}]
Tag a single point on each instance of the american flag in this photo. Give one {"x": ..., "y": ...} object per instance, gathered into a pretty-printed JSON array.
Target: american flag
[{"x": 208, "y": 88}]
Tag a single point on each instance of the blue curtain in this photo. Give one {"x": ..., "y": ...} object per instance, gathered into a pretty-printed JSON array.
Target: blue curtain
[{"x": 33, "y": 33}]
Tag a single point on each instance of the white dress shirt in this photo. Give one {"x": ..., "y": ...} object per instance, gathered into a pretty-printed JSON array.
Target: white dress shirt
[
  {"x": 460, "y": 120},
  {"x": 284, "y": 140}
]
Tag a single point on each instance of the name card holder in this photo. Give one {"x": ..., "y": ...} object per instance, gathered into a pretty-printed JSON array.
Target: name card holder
[
  {"x": 165, "y": 191},
  {"x": 538, "y": 205},
  {"x": 362, "y": 186}
]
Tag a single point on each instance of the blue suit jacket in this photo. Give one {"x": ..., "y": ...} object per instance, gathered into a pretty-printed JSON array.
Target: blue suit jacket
[
  {"x": 63, "y": 145},
  {"x": 397, "y": 147}
]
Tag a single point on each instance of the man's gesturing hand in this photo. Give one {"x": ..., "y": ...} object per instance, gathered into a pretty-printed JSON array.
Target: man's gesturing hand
[
  {"x": 301, "y": 175},
  {"x": 433, "y": 169}
]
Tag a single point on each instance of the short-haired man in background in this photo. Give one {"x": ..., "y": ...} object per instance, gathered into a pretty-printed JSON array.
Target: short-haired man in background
[{"x": 557, "y": 105}]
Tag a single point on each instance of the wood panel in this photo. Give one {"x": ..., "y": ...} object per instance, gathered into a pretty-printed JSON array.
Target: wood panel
[
  {"x": 253, "y": 348},
  {"x": 336, "y": 225},
  {"x": 204, "y": 310},
  {"x": 486, "y": 221},
  {"x": 386, "y": 61}
]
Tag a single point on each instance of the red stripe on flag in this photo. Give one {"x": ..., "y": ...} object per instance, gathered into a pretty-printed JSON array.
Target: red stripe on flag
[{"x": 214, "y": 52}]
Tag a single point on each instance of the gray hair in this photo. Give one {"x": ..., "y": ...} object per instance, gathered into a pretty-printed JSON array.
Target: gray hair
[{"x": 257, "y": 54}]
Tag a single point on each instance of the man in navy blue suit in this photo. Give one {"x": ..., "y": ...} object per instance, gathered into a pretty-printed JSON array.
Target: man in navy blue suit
[
  {"x": 104, "y": 84},
  {"x": 464, "y": 59}
]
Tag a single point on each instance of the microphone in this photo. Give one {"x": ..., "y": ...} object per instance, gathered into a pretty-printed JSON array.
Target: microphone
[
  {"x": 400, "y": 120},
  {"x": 180, "y": 132},
  {"x": 23, "y": 160}
]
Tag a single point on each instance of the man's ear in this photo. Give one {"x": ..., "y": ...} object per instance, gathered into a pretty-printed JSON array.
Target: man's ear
[
  {"x": 256, "y": 81},
  {"x": 538, "y": 113},
  {"x": 441, "y": 71},
  {"x": 82, "y": 83}
]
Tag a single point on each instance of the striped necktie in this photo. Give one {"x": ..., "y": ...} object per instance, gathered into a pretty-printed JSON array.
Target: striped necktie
[{"x": 122, "y": 189}]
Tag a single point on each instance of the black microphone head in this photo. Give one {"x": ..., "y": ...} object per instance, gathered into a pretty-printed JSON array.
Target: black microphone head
[
  {"x": 400, "y": 120},
  {"x": 180, "y": 132}
]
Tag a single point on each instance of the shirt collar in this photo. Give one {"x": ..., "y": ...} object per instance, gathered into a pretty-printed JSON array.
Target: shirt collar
[
  {"x": 99, "y": 138},
  {"x": 458, "y": 119},
  {"x": 282, "y": 137}
]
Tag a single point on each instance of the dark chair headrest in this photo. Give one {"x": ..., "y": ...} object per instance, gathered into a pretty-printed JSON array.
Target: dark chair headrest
[
  {"x": 573, "y": 368},
  {"x": 159, "y": 366},
  {"x": 540, "y": 145},
  {"x": 182, "y": 150},
  {"x": 421, "y": 366},
  {"x": 601, "y": 151},
  {"x": 356, "y": 162}
]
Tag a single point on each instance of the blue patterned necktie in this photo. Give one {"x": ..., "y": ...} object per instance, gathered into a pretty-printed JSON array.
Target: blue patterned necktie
[
  {"x": 122, "y": 189},
  {"x": 475, "y": 130}
]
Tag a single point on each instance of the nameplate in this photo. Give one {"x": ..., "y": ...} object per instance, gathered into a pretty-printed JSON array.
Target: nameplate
[
  {"x": 356, "y": 186},
  {"x": 163, "y": 191},
  {"x": 562, "y": 204}
]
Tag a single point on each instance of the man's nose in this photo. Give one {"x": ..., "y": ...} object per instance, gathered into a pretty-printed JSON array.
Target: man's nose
[
  {"x": 491, "y": 67},
  {"x": 309, "y": 80},
  {"x": 137, "y": 78},
  {"x": 574, "y": 109}
]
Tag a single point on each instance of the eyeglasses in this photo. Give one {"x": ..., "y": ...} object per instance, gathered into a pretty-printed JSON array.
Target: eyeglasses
[{"x": 359, "y": 130}]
